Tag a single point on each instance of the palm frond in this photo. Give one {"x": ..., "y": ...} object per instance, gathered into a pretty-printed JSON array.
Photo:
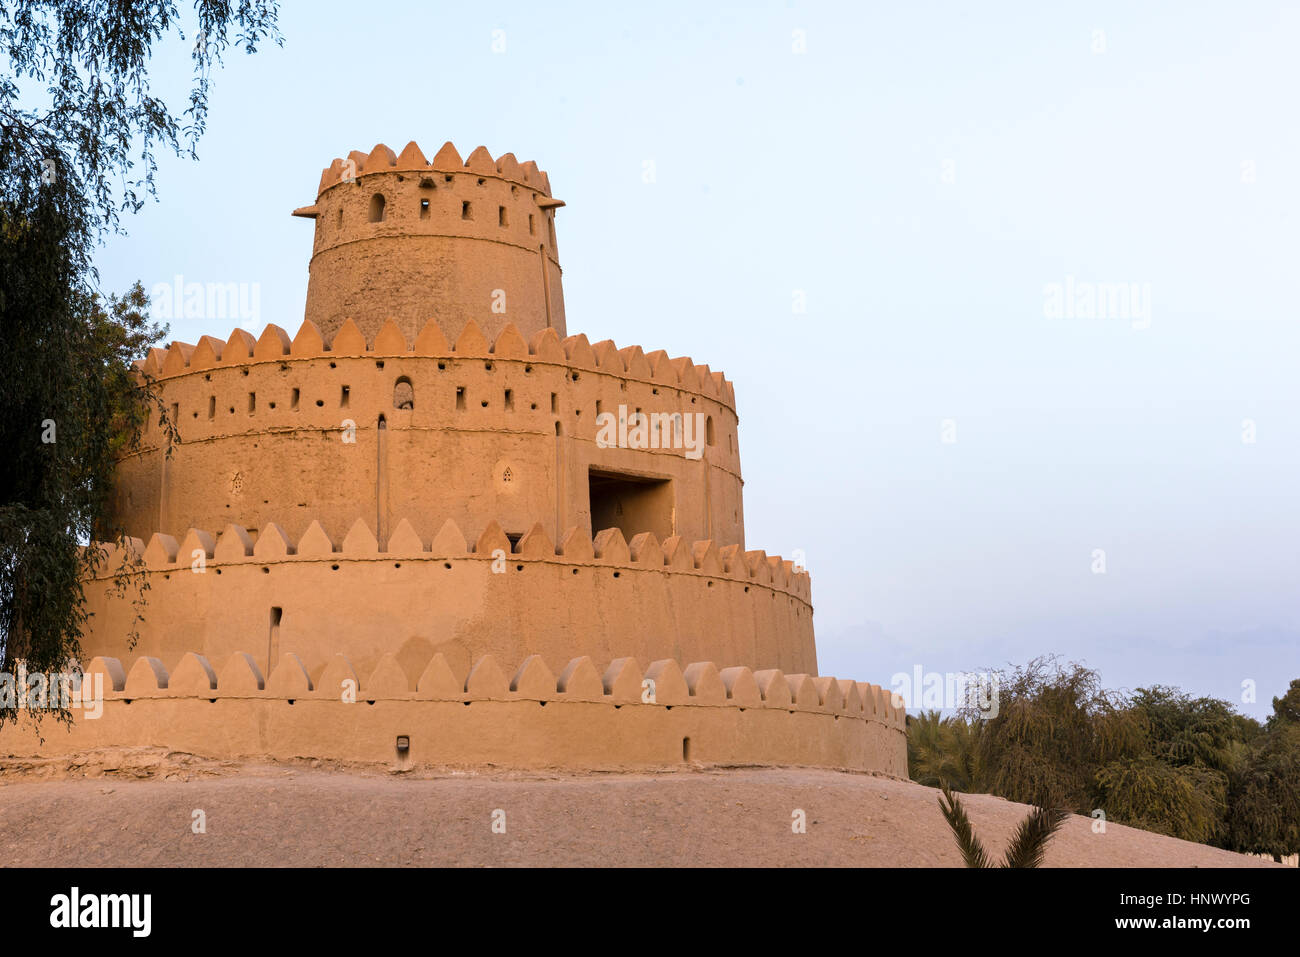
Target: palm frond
[
  {"x": 1030, "y": 843},
  {"x": 972, "y": 851}
]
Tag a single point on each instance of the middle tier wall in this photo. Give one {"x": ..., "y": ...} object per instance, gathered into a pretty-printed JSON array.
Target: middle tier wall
[{"x": 291, "y": 440}]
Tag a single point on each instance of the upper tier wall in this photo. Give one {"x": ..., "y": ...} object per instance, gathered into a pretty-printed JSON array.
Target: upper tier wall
[
  {"x": 273, "y": 431},
  {"x": 398, "y": 237}
]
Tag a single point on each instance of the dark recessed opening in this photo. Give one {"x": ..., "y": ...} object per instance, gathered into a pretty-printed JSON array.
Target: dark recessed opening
[
  {"x": 465, "y": 210},
  {"x": 630, "y": 503},
  {"x": 403, "y": 394}
]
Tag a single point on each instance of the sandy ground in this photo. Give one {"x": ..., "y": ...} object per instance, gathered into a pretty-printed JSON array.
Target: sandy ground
[{"x": 136, "y": 808}]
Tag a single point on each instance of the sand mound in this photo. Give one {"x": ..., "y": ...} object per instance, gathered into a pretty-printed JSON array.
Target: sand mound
[{"x": 136, "y": 807}]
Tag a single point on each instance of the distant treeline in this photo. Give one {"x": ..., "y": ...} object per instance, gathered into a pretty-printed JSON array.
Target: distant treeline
[{"x": 1157, "y": 759}]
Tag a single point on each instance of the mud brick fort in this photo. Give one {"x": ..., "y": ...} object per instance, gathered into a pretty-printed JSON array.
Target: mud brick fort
[{"x": 394, "y": 537}]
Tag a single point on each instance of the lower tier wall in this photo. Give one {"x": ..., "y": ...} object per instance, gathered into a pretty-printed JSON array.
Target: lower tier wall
[{"x": 625, "y": 718}]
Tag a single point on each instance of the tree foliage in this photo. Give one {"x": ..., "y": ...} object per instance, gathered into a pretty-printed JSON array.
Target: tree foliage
[
  {"x": 1157, "y": 759},
  {"x": 79, "y": 131}
]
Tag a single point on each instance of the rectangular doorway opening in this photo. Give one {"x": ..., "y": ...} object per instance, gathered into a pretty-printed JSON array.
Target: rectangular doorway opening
[{"x": 631, "y": 503}]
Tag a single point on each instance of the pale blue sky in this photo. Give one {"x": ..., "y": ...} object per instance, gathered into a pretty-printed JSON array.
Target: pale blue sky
[{"x": 825, "y": 172}]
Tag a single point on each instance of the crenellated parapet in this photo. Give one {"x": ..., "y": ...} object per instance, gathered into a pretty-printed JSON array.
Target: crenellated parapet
[
  {"x": 527, "y": 712},
  {"x": 343, "y": 589},
  {"x": 575, "y": 352}
]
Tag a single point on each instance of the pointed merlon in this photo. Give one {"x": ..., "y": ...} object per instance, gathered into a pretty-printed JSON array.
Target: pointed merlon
[
  {"x": 635, "y": 362},
  {"x": 405, "y": 540},
  {"x": 508, "y": 167},
  {"x": 359, "y": 541},
  {"x": 111, "y": 669},
  {"x": 774, "y": 689},
  {"x": 852, "y": 700},
  {"x": 447, "y": 158},
  {"x": 622, "y": 681},
  {"x": 471, "y": 342},
  {"x": 207, "y": 353},
  {"x": 661, "y": 368},
  {"x": 146, "y": 678},
  {"x": 534, "y": 681},
  {"x": 677, "y": 554},
  {"x": 390, "y": 341},
  {"x": 510, "y": 344},
  {"x": 607, "y": 357},
  {"x": 178, "y": 357},
  {"x": 576, "y": 545},
  {"x": 238, "y": 348},
  {"x": 272, "y": 544},
  {"x": 431, "y": 341},
  {"x": 240, "y": 676},
  {"x": 388, "y": 680},
  {"x": 492, "y": 542},
  {"x": 536, "y": 543},
  {"x": 578, "y": 351},
  {"x": 668, "y": 684},
  {"x": 438, "y": 682},
  {"x": 193, "y": 676},
  {"x": 480, "y": 161},
  {"x": 339, "y": 681},
  {"x": 705, "y": 684},
  {"x": 330, "y": 175},
  {"x": 580, "y": 681},
  {"x": 308, "y": 341},
  {"x": 348, "y": 341},
  {"x": 380, "y": 159},
  {"x": 828, "y": 693},
  {"x": 646, "y": 550},
  {"x": 315, "y": 542},
  {"x": 196, "y": 541},
  {"x": 412, "y": 158},
  {"x": 161, "y": 551},
  {"x": 273, "y": 344},
  {"x": 289, "y": 679},
  {"x": 742, "y": 688},
  {"x": 610, "y": 546},
  {"x": 153, "y": 361},
  {"x": 487, "y": 681},
  {"x": 686, "y": 377},
  {"x": 450, "y": 542},
  {"x": 706, "y": 557},
  {"x": 803, "y": 692},
  {"x": 545, "y": 345}
]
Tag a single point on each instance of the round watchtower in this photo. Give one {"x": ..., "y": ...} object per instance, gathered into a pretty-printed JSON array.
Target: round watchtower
[{"x": 402, "y": 238}]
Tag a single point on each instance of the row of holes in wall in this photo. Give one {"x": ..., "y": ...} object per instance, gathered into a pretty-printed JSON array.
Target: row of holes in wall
[
  {"x": 378, "y": 213},
  {"x": 404, "y": 399}
]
